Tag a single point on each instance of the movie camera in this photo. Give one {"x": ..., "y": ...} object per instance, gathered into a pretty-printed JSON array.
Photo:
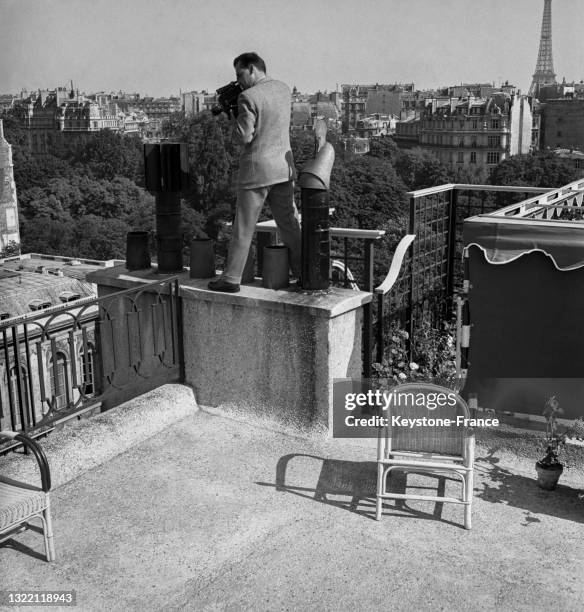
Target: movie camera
[{"x": 227, "y": 99}]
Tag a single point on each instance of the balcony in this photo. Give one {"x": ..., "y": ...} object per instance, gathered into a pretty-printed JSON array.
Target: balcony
[
  {"x": 466, "y": 145},
  {"x": 164, "y": 504},
  {"x": 166, "y": 501},
  {"x": 147, "y": 329}
]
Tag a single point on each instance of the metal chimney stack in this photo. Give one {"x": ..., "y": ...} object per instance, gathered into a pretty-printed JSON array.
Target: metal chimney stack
[
  {"x": 314, "y": 182},
  {"x": 166, "y": 170}
]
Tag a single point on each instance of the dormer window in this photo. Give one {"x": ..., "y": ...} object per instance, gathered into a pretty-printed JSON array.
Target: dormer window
[
  {"x": 69, "y": 296},
  {"x": 39, "y": 305}
]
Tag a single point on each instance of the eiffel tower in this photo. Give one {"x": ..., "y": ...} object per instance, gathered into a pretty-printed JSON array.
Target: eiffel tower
[{"x": 544, "y": 69}]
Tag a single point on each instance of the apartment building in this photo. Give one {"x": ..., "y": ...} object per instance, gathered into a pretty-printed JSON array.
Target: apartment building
[
  {"x": 562, "y": 124},
  {"x": 473, "y": 132},
  {"x": 362, "y": 101}
]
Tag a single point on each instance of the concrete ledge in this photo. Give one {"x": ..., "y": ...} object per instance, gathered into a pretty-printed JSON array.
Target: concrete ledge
[
  {"x": 83, "y": 445},
  {"x": 270, "y": 353},
  {"x": 118, "y": 276},
  {"x": 274, "y": 357},
  {"x": 333, "y": 303}
]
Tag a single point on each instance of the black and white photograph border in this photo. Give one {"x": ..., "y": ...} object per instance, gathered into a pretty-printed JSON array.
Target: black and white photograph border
[{"x": 289, "y": 305}]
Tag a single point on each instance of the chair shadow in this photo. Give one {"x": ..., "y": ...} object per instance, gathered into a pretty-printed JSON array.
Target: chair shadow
[
  {"x": 523, "y": 492},
  {"x": 354, "y": 483},
  {"x": 18, "y": 546}
]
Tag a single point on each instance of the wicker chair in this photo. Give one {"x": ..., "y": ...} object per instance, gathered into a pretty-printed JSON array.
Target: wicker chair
[
  {"x": 21, "y": 502},
  {"x": 431, "y": 450}
]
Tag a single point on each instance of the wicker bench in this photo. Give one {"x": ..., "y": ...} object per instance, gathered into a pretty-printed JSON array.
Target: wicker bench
[{"x": 21, "y": 502}]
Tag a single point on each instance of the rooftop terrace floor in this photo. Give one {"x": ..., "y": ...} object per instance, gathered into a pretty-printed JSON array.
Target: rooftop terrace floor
[{"x": 190, "y": 518}]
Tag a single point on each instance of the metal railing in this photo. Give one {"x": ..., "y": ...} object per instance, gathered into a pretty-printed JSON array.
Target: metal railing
[
  {"x": 436, "y": 218},
  {"x": 547, "y": 206},
  {"x": 92, "y": 353},
  {"x": 342, "y": 239},
  {"x": 426, "y": 272},
  {"x": 390, "y": 295}
]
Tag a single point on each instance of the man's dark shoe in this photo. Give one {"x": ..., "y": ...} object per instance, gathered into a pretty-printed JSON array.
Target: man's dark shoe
[{"x": 223, "y": 285}]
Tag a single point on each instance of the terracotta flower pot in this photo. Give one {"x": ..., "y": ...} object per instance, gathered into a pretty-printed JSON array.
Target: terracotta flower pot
[{"x": 548, "y": 476}]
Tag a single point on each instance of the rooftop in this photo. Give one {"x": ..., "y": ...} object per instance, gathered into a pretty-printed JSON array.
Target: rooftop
[
  {"x": 164, "y": 505},
  {"x": 41, "y": 279}
]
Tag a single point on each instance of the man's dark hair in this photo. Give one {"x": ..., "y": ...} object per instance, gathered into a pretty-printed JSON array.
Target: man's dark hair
[{"x": 245, "y": 59}]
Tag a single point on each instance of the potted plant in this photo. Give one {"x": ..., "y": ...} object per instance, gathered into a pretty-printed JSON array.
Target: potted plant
[{"x": 549, "y": 468}]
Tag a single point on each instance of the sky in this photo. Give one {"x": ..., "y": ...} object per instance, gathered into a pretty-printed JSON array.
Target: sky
[{"x": 162, "y": 47}]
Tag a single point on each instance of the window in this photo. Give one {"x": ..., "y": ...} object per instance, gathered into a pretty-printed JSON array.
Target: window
[
  {"x": 559, "y": 133},
  {"x": 461, "y": 125},
  {"x": 59, "y": 379},
  {"x": 495, "y": 124},
  {"x": 494, "y": 141},
  {"x": 39, "y": 304},
  {"x": 460, "y": 157},
  {"x": 87, "y": 370},
  {"x": 461, "y": 142},
  {"x": 473, "y": 157},
  {"x": 492, "y": 157},
  {"x": 475, "y": 124}
]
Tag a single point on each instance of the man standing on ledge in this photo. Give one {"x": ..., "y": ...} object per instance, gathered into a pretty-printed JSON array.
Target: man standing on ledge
[{"x": 266, "y": 168}]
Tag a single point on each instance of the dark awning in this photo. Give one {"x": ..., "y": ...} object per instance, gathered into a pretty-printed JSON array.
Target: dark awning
[{"x": 503, "y": 240}]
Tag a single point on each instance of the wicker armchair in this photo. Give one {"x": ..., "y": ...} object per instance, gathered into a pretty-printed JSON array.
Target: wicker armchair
[
  {"x": 21, "y": 502},
  {"x": 431, "y": 450}
]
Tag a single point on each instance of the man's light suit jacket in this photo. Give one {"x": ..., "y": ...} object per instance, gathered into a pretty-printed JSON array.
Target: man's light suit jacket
[{"x": 263, "y": 126}]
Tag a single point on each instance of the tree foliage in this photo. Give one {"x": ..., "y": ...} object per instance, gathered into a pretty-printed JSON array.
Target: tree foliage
[
  {"x": 213, "y": 160},
  {"x": 108, "y": 154},
  {"x": 420, "y": 169},
  {"x": 303, "y": 146},
  {"x": 83, "y": 199},
  {"x": 385, "y": 147},
  {"x": 543, "y": 169}
]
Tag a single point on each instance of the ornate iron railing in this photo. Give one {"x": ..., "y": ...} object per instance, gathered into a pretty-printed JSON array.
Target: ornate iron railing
[{"x": 92, "y": 353}]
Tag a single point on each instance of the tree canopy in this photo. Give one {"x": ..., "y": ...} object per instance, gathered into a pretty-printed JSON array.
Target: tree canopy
[
  {"x": 542, "y": 169},
  {"x": 83, "y": 198}
]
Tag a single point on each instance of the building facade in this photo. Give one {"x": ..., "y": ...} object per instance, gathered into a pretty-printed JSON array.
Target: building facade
[
  {"x": 306, "y": 110},
  {"x": 476, "y": 132},
  {"x": 562, "y": 124},
  {"x": 55, "y": 118},
  {"x": 9, "y": 229},
  {"x": 361, "y": 101},
  {"x": 55, "y": 368},
  {"x": 195, "y": 102},
  {"x": 407, "y": 132}
]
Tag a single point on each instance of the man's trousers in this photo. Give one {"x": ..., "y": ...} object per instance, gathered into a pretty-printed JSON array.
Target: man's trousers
[{"x": 280, "y": 198}]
